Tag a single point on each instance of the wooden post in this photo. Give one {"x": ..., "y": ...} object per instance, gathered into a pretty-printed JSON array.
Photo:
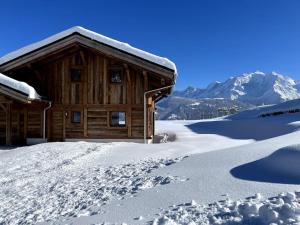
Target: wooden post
[
  {"x": 128, "y": 88},
  {"x": 85, "y": 122},
  {"x": 105, "y": 93},
  {"x": 64, "y": 124},
  {"x": 85, "y": 82},
  {"x": 49, "y": 126},
  {"x": 129, "y": 121},
  {"x": 25, "y": 124},
  {"x": 145, "y": 75},
  {"x": 63, "y": 83},
  {"x": 8, "y": 124}
]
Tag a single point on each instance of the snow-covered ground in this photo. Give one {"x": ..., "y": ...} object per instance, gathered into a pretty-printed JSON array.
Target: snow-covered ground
[{"x": 210, "y": 174}]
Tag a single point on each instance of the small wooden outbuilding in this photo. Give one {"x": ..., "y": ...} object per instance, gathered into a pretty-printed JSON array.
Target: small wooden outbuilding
[{"x": 80, "y": 85}]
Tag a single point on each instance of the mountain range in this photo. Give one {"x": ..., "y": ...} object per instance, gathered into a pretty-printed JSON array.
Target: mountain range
[{"x": 234, "y": 94}]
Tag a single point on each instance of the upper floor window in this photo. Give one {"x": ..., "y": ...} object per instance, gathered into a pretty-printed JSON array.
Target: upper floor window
[
  {"x": 115, "y": 75},
  {"x": 76, "y": 75}
]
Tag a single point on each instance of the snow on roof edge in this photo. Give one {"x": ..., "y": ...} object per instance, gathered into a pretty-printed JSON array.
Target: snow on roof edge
[
  {"x": 20, "y": 87},
  {"x": 94, "y": 36}
]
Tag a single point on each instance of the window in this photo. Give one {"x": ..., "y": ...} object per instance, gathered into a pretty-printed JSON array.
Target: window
[
  {"x": 118, "y": 119},
  {"x": 75, "y": 75},
  {"x": 76, "y": 117},
  {"x": 116, "y": 76}
]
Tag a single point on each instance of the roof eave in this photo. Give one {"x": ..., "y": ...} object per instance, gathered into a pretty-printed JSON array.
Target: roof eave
[{"x": 8, "y": 65}]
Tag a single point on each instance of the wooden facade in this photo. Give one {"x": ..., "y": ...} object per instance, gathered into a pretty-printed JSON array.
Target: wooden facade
[{"x": 89, "y": 89}]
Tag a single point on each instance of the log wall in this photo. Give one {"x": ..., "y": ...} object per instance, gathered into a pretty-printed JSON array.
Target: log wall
[
  {"x": 93, "y": 95},
  {"x": 97, "y": 97}
]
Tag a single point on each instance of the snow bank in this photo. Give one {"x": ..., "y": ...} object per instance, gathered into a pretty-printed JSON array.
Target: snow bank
[
  {"x": 267, "y": 109},
  {"x": 282, "y": 166},
  {"x": 19, "y": 86},
  {"x": 255, "y": 210},
  {"x": 94, "y": 36}
]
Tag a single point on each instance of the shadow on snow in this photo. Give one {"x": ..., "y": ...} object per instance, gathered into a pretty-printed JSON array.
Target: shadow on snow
[
  {"x": 282, "y": 166},
  {"x": 257, "y": 129}
]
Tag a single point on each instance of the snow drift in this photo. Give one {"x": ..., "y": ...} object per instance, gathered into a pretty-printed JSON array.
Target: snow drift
[{"x": 282, "y": 166}]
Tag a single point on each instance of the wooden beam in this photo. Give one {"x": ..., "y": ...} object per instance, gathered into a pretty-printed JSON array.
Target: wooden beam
[
  {"x": 13, "y": 94},
  {"x": 49, "y": 124},
  {"x": 63, "y": 82},
  {"x": 8, "y": 124},
  {"x": 53, "y": 48},
  {"x": 82, "y": 57},
  {"x": 3, "y": 107},
  {"x": 105, "y": 81},
  {"x": 145, "y": 75},
  {"x": 128, "y": 83}
]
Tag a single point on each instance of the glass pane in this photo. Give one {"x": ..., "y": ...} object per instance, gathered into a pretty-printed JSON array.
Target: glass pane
[
  {"x": 115, "y": 76},
  {"x": 76, "y": 117},
  {"x": 122, "y": 118},
  {"x": 114, "y": 119},
  {"x": 75, "y": 75}
]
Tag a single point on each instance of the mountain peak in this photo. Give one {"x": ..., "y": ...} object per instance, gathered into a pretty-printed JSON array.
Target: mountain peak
[{"x": 255, "y": 88}]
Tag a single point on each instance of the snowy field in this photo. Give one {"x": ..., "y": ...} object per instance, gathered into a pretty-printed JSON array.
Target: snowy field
[{"x": 243, "y": 169}]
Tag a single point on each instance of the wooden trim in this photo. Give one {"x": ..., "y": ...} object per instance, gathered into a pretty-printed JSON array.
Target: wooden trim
[
  {"x": 54, "y": 48},
  {"x": 13, "y": 94}
]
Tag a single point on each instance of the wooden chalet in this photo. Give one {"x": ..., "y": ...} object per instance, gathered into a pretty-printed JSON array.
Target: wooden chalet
[{"x": 80, "y": 85}]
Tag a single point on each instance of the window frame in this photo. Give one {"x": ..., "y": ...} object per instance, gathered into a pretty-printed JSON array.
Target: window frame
[
  {"x": 117, "y": 125},
  {"x": 74, "y": 80},
  {"x": 72, "y": 117},
  {"x": 116, "y": 68}
]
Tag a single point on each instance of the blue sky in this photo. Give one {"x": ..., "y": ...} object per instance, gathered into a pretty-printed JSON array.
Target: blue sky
[{"x": 207, "y": 39}]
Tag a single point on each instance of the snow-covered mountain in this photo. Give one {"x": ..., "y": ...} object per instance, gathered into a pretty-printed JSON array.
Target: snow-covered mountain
[{"x": 256, "y": 88}]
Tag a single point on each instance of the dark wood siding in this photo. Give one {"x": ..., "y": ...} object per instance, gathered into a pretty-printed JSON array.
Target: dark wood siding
[{"x": 94, "y": 96}]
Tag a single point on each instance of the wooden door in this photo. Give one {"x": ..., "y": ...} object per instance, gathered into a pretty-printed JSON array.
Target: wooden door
[{"x": 74, "y": 123}]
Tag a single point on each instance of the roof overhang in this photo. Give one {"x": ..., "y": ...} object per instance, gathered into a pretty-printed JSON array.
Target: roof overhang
[
  {"x": 76, "y": 37},
  {"x": 14, "y": 94}
]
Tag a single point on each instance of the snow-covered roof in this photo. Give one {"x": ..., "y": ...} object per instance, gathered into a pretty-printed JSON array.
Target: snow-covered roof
[
  {"x": 20, "y": 87},
  {"x": 94, "y": 36}
]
